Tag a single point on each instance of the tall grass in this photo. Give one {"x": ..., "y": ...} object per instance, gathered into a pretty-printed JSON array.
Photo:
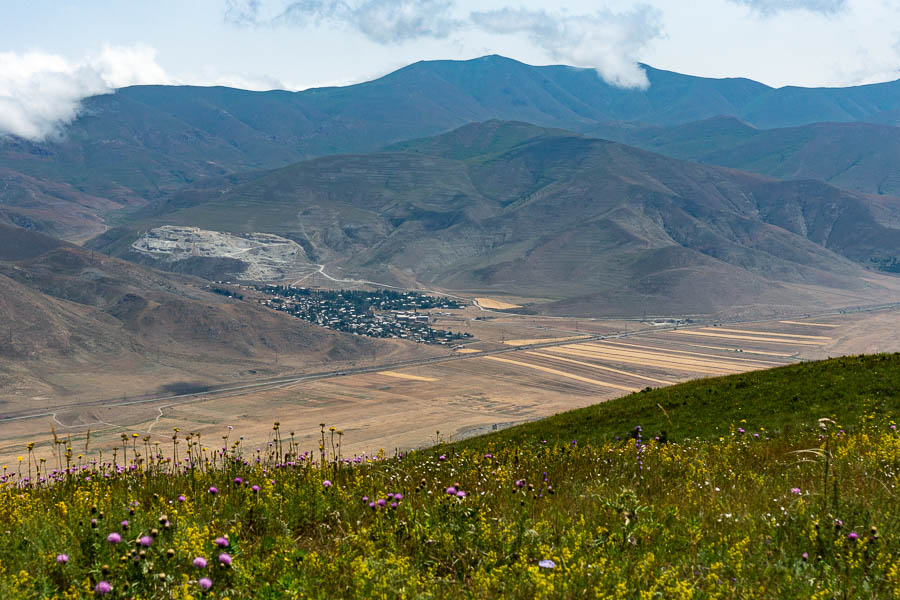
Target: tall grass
[{"x": 745, "y": 510}]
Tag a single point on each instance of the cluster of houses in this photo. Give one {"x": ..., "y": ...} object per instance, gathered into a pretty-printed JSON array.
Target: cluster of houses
[{"x": 382, "y": 314}]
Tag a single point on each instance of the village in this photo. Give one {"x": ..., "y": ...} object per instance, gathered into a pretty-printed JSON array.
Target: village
[{"x": 380, "y": 314}]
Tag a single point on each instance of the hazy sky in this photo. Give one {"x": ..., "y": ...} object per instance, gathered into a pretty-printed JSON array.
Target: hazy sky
[{"x": 53, "y": 52}]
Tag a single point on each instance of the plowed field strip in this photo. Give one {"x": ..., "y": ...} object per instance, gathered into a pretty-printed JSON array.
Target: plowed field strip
[
  {"x": 723, "y": 364},
  {"x": 724, "y": 349},
  {"x": 561, "y": 373},
  {"x": 601, "y": 367},
  {"x": 784, "y": 335},
  {"x": 747, "y": 337},
  {"x": 405, "y": 376},
  {"x": 736, "y": 359},
  {"x": 810, "y": 324},
  {"x": 648, "y": 359}
]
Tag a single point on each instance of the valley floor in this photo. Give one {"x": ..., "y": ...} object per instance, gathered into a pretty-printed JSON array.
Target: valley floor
[{"x": 524, "y": 368}]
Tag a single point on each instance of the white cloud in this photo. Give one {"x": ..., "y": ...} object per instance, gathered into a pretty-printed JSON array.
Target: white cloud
[
  {"x": 381, "y": 21},
  {"x": 771, "y": 7},
  {"x": 41, "y": 92},
  {"x": 607, "y": 41}
]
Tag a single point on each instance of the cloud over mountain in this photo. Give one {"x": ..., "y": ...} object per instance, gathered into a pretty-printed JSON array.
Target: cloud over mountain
[
  {"x": 604, "y": 40},
  {"x": 771, "y": 7},
  {"x": 40, "y": 92}
]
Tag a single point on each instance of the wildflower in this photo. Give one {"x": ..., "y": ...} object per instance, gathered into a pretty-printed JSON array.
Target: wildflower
[
  {"x": 181, "y": 498},
  {"x": 225, "y": 559},
  {"x": 124, "y": 524},
  {"x": 853, "y": 536},
  {"x": 114, "y": 538},
  {"x": 326, "y": 484},
  {"x": 200, "y": 562},
  {"x": 805, "y": 556},
  {"x": 62, "y": 558},
  {"x": 365, "y": 498},
  {"x": 520, "y": 483},
  {"x": 893, "y": 427},
  {"x": 255, "y": 489},
  {"x": 238, "y": 481},
  {"x": 442, "y": 457},
  {"x": 221, "y": 542},
  {"x": 460, "y": 494},
  {"x": 205, "y": 583},
  {"x": 145, "y": 541},
  {"x": 103, "y": 588},
  {"x": 393, "y": 505},
  {"x": 547, "y": 564},
  {"x": 740, "y": 430},
  {"x": 451, "y": 491},
  {"x": 213, "y": 490},
  {"x": 398, "y": 496},
  {"x": 382, "y": 502},
  {"x": 796, "y": 491}
]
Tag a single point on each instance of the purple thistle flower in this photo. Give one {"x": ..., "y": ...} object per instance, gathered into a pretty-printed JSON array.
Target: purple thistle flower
[
  {"x": 805, "y": 555},
  {"x": 205, "y": 583},
  {"x": 460, "y": 494},
  {"x": 547, "y": 564},
  {"x": 225, "y": 559},
  {"x": 398, "y": 496},
  {"x": 114, "y": 538},
  {"x": 213, "y": 490},
  {"x": 326, "y": 484},
  {"x": 103, "y": 588},
  {"x": 382, "y": 502},
  {"x": 221, "y": 542},
  {"x": 372, "y": 505},
  {"x": 200, "y": 562},
  {"x": 146, "y": 541},
  {"x": 853, "y": 536},
  {"x": 181, "y": 498},
  {"x": 520, "y": 483},
  {"x": 393, "y": 505},
  {"x": 365, "y": 498},
  {"x": 796, "y": 491},
  {"x": 238, "y": 481},
  {"x": 255, "y": 489},
  {"x": 442, "y": 457},
  {"x": 124, "y": 524},
  {"x": 62, "y": 558},
  {"x": 451, "y": 491},
  {"x": 741, "y": 430}
]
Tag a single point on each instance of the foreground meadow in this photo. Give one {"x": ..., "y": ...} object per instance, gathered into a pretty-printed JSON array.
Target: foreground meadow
[{"x": 778, "y": 483}]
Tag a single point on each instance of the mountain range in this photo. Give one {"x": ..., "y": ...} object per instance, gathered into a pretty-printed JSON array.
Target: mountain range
[
  {"x": 493, "y": 175},
  {"x": 586, "y": 224}
]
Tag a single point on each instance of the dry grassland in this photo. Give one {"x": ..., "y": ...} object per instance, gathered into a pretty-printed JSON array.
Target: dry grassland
[{"x": 404, "y": 407}]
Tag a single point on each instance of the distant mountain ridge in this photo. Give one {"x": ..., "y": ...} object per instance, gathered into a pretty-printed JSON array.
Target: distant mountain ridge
[{"x": 145, "y": 141}]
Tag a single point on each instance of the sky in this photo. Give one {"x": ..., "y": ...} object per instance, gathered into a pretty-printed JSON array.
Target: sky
[{"x": 53, "y": 53}]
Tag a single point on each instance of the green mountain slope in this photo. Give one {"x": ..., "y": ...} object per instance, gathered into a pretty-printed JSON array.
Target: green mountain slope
[
  {"x": 857, "y": 156},
  {"x": 145, "y": 140}
]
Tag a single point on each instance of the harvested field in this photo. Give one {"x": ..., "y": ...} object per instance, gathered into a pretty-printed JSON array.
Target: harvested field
[
  {"x": 528, "y": 342},
  {"x": 495, "y": 304},
  {"x": 406, "y": 376}
]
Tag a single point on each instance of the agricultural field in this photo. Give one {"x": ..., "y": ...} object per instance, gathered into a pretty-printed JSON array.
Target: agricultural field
[{"x": 522, "y": 369}]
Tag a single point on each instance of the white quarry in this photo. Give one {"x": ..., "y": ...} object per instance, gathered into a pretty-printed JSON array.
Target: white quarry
[{"x": 268, "y": 257}]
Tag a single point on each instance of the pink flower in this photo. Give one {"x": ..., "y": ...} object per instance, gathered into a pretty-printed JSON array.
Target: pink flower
[
  {"x": 62, "y": 558},
  {"x": 796, "y": 491},
  {"x": 146, "y": 541},
  {"x": 451, "y": 491},
  {"x": 225, "y": 559},
  {"x": 200, "y": 562},
  {"x": 221, "y": 542},
  {"x": 205, "y": 583},
  {"x": 213, "y": 490},
  {"x": 114, "y": 538},
  {"x": 103, "y": 588},
  {"x": 326, "y": 484}
]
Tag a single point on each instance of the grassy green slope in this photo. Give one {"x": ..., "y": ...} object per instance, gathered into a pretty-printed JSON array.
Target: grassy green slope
[
  {"x": 783, "y": 401},
  {"x": 711, "y": 512}
]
